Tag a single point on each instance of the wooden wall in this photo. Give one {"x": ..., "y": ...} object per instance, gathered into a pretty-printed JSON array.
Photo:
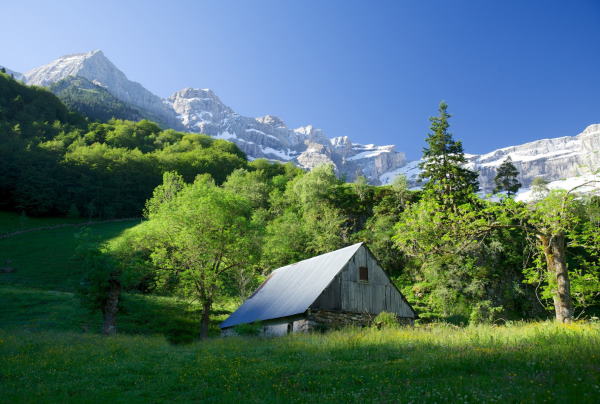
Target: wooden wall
[{"x": 347, "y": 293}]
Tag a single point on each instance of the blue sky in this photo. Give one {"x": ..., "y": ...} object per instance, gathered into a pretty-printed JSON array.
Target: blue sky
[{"x": 511, "y": 71}]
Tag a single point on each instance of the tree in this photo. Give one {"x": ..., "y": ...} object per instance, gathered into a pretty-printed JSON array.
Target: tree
[
  {"x": 203, "y": 233},
  {"x": 554, "y": 221},
  {"x": 361, "y": 187},
  {"x": 551, "y": 221},
  {"x": 539, "y": 188},
  {"x": 401, "y": 188},
  {"x": 506, "y": 178},
  {"x": 443, "y": 164}
]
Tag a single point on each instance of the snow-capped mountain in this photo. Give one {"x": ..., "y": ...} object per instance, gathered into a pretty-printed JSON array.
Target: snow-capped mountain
[
  {"x": 564, "y": 162},
  {"x": 96, "y": 67},
  {"x": 201, "y": 110}
]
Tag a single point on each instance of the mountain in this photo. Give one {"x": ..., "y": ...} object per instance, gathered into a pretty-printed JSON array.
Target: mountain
[
  {"x": 16, "y": 75},
  {"x": 94, "y": 101},
  {"x": 201, "y": 110},
  {"x": 564, "y": 162},
  {"x": 95, "y": 67}
]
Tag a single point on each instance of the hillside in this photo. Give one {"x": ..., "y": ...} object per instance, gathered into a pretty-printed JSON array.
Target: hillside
[
  {"x": 58, "y": 163},
  {"x": 93, "y": 101}
]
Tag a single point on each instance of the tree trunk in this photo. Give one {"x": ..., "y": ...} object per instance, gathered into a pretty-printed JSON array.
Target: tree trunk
[
  {"x": 554, "y": 252},
  {"x": 206, "y": 306},
  {"x": 111, "y": 307}
]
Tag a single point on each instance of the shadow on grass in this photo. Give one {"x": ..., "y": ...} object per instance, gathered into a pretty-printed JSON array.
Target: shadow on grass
[{"x": 35, "y": 310}]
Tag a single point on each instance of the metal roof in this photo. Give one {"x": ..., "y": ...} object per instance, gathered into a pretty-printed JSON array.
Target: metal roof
[{"x": 292, "y": 289}]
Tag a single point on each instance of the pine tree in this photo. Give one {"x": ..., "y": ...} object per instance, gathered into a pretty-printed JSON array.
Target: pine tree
[
  {"x": 443, "y": 164},
  {"x": 506, "y": 178}
]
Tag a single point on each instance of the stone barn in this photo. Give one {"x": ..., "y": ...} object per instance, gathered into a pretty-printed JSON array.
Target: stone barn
[{"x": 342, "y": 287}]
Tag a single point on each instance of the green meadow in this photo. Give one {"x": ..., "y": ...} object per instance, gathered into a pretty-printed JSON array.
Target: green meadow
[
  {"x": 51, "y": 351},
  {"x": 518, "y": 363}
]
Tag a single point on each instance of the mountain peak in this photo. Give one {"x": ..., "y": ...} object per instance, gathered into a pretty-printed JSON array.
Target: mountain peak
[
  {"x": 271, "y": 120},
  {"x": 86, "y": 64}
]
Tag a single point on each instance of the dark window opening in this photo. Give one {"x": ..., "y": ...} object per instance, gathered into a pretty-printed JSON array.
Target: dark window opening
[
  {"x": 290, "y": 327},
  {"x": 363, "y": 274}
]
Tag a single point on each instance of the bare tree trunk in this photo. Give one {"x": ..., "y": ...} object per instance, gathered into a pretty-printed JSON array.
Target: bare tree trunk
[
  {"x": 554, "y": 252},
  {"x": 111, "y": 307},
  {"x": 206, "y": 306}
]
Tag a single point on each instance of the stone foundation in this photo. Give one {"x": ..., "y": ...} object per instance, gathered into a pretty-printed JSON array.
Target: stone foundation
[
  {"x": 339, "y": 319},
  {"x": 316, "y": 320}
]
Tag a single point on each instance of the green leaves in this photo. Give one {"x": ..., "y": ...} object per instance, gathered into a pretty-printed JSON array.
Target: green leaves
[
  {"x": 506, "y": 178},
  {"x": 443, "y": 166}
]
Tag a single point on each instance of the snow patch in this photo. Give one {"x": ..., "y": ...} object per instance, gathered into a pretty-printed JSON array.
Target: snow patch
[{"x": 368, "y": 154}]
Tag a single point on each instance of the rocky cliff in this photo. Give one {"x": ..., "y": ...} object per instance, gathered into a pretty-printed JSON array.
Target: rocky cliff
[{"x": 563, "y": 160}]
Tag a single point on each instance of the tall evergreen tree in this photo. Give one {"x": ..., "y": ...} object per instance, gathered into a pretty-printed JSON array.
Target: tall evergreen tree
[
  {"x": 443, "y": 164},
  {"x": 506, "y": 178}
]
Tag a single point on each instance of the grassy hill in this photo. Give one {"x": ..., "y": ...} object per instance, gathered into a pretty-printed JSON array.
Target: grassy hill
[{"x": 50, "y": 349}]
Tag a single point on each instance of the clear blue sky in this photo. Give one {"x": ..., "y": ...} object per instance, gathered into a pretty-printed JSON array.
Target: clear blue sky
[{"x": 511, "y": 71}]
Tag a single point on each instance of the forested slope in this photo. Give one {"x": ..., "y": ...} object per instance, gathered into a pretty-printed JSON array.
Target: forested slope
[{"x": 56, "y": 162}]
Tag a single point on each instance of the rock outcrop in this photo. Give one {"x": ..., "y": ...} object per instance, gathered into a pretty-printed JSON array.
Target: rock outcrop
[{"x": 563, "y": 161}]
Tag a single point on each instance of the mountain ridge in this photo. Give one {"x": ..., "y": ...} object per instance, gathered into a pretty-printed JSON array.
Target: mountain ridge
[{"x": 201, "y": 110}]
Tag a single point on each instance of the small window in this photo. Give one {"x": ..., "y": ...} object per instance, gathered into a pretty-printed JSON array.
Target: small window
[
  {"x": 363, "y": 274},
  {"x": 290, "y": 328}
]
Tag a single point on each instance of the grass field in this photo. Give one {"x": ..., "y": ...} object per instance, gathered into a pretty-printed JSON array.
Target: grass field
[
  {"x": 50, "y": 350},
  {"x": 11, "y": 222},
  {"x": 521, "y": 363}
]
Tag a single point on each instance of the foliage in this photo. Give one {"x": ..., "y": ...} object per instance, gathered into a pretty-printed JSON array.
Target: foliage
[
  {"x": 443, "y": 164},
  {"x": 200, "y": 234},
  {"x": 91, "y": 100},
  {"x": 506, "y": 178},
  {"x": 56, "y": 163},
  {"x": 484, "y": 312},
  {"x": 248, "y": 329},
  {"x": 385, "y": 320}
]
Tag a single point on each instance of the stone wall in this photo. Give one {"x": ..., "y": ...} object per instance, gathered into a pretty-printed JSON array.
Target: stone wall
[
  {"x": 315, "y": 320},
  {"x": 338, "y": 319}
]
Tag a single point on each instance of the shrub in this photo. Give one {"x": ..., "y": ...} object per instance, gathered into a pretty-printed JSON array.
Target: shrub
[
  {"x": 386, "y": 320},
  {"x": 484, "y": 313},
  {"x": 251, "y": 329}
]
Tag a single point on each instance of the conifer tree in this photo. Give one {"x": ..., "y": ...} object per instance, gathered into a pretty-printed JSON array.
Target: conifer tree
[
  {"x": 443, "y": 164},
  {"x": 506, "y": 178}
]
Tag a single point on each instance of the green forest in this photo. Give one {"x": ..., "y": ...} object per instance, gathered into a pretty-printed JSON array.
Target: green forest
[{"x": 215, "y": 225}]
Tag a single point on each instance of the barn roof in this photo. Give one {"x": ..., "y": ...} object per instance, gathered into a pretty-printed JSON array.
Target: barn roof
[{"x": 292, "y": 289}]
